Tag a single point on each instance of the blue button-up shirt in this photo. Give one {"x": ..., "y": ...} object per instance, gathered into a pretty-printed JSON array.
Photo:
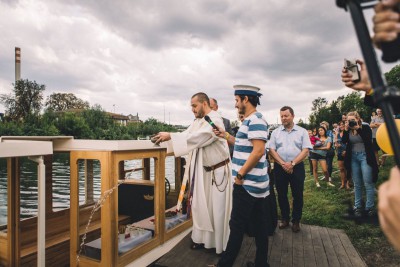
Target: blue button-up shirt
[{"x": 288, "y": 145}]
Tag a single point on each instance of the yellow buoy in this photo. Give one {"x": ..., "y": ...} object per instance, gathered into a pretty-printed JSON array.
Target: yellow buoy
[{"x": 382, "y": 138}]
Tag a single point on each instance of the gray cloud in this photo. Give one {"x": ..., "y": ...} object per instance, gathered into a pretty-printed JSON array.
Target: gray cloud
[{"x": 149, "y": 56}]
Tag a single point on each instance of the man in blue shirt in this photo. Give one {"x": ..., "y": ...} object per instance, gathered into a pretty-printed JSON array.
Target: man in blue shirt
[
  {"x": 289, "y": 146},
  {"x": 251, "y": 187}
]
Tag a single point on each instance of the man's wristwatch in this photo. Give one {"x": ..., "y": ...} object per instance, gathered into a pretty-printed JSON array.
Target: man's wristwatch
[
  {"x": 239, "y": 176},
  {"x": 293, "y": 164}
]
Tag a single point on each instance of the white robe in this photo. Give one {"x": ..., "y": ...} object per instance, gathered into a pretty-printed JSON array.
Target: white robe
[{"x": 211, "y": 208}]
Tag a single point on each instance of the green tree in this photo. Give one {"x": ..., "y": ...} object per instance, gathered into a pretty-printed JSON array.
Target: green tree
[
  {"x": 393, "y": 76},
  {"x": 335, "y": 114},
  {"x": 99, "y": 121},
  {"x": 355, "y": 102},
  {"x": 320, "y": 111},
  {"x": 40, "y": 126},
  {"x": 11, "y": 128},
  {"x": 25, "y": 100},
  {"x": 65, "y": 101},
  {"x": 319, "y": 103},
  {"x": 331, "y": 112},
  {"x": 71, "y": 124},
  {"x": 301, "y": 123}
]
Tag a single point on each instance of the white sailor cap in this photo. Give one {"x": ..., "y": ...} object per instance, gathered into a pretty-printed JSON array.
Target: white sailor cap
[{"x": 246, "y": 90}]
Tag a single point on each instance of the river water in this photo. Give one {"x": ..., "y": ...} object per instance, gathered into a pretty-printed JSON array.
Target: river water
[{"x": 61, "y": 180}]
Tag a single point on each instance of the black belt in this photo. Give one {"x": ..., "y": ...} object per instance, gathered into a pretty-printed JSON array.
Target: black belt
[{"x": 216, "y": 166}]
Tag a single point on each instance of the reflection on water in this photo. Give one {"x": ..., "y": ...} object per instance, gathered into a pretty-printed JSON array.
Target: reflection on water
[{"x": 61, "y": 174}]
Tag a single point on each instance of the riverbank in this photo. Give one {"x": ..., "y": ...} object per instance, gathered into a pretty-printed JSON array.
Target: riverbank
[{"x": 325, "y": 207}]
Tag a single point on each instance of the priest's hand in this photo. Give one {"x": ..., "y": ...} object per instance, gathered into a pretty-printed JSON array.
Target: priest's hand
[{"x": 162, "y": 137}]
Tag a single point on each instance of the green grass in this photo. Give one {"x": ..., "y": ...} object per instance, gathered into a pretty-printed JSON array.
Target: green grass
[{"x": 325, "y": 207}]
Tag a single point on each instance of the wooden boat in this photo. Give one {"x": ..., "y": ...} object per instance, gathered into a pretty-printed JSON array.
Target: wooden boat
[{"x": 54, "y": 238}]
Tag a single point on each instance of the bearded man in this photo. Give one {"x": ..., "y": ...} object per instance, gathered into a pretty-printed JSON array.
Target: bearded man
[
  {"x": 251, "y": 196},
  {"x": 209, "y": 173}
]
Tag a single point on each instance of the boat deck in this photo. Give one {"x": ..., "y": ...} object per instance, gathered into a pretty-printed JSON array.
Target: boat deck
[{"x": 312, "y": 246}]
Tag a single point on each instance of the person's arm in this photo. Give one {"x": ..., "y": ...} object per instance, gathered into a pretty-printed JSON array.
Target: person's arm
[
  {"x": 345, "y": 136},
  {"x": 162, "y": 137},
  {"x": 365, "y": 132},
  {"x": 335, "y": 140},
  {"x": 364, "y": 83},
  {"x": 183, "y": 143},
  {"x": 327, "y": 146},
  {"x": 305, "y": 147},
  {"x": 287, "y": 166},
  {"x": 389, "y": 207},
  {"x": 373, "y": 123},
  {"x": 386, "y": 22},
  {"x": 230, "y": 138},
  {"x": 369, "y": 101},
  {"x": 226, "y": 135},
  {"x": 276, "y": 156},
  {"x": 254, "y": 157},
  {"x": 301, "y": 156}
]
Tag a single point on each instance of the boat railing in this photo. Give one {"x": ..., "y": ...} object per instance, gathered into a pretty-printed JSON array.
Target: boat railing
[{"x": 136, "y": 205}]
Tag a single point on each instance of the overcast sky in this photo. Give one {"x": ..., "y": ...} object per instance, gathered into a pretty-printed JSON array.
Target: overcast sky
[{"x": 149, "y": 57}]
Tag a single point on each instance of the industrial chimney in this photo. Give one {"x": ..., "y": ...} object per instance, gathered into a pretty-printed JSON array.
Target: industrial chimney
[{"x": 17, "y": 63}]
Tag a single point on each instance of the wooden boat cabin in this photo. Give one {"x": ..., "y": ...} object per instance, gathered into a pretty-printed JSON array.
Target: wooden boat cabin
[{"x": 120, "y": 205}]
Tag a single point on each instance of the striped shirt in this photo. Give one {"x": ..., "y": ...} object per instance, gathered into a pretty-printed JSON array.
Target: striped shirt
[{"x": 256, "y": 181}]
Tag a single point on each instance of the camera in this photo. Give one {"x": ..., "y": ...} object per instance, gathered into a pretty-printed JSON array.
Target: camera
[
  {"x": 353, "y": 68},
  {"x": 352, "y": 123}
]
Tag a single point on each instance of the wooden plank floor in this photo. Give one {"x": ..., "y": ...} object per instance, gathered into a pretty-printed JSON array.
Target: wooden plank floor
[{"x": 312, "y": 246}]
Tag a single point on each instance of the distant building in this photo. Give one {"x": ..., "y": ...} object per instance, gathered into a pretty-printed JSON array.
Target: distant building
[
  {"x": 133, "y": 118},
  {"x": 121, "y": 119}
]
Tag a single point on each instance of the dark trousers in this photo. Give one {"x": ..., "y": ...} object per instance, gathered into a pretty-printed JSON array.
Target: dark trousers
[
  {"x": 245, "y": 208},
  {"x": 329, "y": 161},
  {"x": 296, "y": 181}
]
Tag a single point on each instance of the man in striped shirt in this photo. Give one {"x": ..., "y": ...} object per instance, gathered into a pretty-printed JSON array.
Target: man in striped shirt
[{"x": 251, "y": 187}]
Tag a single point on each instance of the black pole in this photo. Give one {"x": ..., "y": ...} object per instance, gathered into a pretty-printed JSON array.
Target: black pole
[{"x": 381, "y": 95}]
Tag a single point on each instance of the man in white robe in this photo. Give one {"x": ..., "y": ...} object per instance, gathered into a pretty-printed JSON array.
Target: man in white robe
[{"x": 212, "y": 192}]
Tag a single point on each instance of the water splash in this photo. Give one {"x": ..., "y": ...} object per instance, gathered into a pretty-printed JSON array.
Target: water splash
[{"x": 96, "y": 207}]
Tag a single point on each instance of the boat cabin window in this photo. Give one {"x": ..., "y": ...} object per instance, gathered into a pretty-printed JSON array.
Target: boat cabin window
[
  {"x": 89, "y": 181},
  {"x": 60, "y": 181},
  {"x": 144, "y": 169}
]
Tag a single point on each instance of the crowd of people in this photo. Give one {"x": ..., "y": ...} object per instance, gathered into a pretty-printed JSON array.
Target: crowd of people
[
  {"x": 354, "y": 143},
  {"x": 231, "y": 193},
  {"x": 228, "y": 191}
]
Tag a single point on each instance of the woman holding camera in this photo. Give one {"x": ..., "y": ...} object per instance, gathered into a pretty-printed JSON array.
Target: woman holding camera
[
  {"x": 360, "y": 162},
  {"x": 318, "y": 154}
]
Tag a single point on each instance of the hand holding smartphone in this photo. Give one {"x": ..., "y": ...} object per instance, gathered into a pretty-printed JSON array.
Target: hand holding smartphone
[{"x": 352, "y": 67}]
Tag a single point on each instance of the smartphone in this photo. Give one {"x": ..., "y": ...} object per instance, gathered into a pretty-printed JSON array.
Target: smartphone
[{"x": 351, "y": 66}]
